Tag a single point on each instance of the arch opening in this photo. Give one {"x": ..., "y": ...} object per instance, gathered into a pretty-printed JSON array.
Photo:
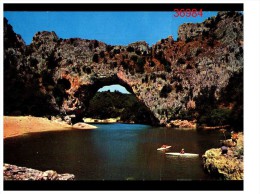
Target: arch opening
[
  {"x": 128, "y": 108},
  {"x": 114, "y": 106},
  {"x": 114, "y": 88}
]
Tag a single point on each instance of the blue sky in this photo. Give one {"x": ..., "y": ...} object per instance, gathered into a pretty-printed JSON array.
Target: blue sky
[
  {"x": 112, "y": 88},
  {"x": 110, "y": 27},
  {"x": 115, "y": 28}
]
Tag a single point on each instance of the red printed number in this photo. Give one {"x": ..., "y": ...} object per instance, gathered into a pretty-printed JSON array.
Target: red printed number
[{"x": 188, "y": 13}]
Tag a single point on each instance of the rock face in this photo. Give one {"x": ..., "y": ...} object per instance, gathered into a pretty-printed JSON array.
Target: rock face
[
  {"x": 183, "y": 124},
  {"x": 56, "y": 76},
  {"x": 229, "y": 166},
  {"x": 13, "y": 172}
]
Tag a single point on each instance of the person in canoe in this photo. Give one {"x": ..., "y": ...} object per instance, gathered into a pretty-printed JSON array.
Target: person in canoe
[
  {"x": 164, "y": 146},
  {"x": 182, "y": 151}
]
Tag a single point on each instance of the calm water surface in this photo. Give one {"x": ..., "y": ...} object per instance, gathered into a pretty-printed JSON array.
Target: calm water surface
[{"x": 114, "y": 152}]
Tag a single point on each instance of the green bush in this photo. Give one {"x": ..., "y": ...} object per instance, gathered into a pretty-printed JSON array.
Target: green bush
[
  {"x": 95, "y": 58},
  {"x": 233, "y": 93},
  {"x": 165, "y": 91},
  {"x": 140, "y": 65},
  {"x": 134, "y": 58},
  {"x": 130, "y": 49},
  {"x": 216, "y": 117}
]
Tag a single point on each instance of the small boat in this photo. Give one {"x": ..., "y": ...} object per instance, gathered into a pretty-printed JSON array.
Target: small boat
[
  {"x": 164, "y": 148},
  {"x": 179, "y": 154}
]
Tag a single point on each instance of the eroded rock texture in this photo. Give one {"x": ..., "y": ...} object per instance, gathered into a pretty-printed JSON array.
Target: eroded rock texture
[
  {"x": 53, "y": 76},
  {"x": 229, "y": 166}
]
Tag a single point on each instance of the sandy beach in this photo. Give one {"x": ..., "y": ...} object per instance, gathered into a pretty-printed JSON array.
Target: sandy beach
[{"x": 19, "y": 125}]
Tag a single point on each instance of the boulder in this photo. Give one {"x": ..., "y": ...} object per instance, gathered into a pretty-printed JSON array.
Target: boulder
[{"x": 13, "y": 172}]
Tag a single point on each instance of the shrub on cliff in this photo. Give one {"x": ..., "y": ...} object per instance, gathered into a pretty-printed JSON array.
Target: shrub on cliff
[
  {"x": 86, "y": 69},
  {"x": 134, "y": 58},
  {"x": 165, "y": 91},
  {"x": 227, "y": 110},
  {"x": 140, "y": 65},
  {"x": 233, "y": 94},
  {"x": 205, "y": 103},
  {"x": 138, "y": 52},
  {"x": 96, "y": 43},
  {"x": 130, "y": 49},
  {"x": 136, "y": 112},
  {"x": 116, "y": 51},
  {"x": 95, "y": 58},
  {"x": 181, "y": 61},
  {"x": 102, "y": 54},
  {"x": 59, "y": 91},
  {"x": 52, "y": 62},
  {"x": 151, "y": 64},
  {"x": 109, "y": 48},
  {"x": 216, "y": 117}
]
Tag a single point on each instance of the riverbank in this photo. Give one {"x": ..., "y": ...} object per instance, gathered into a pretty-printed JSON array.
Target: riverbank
[
  {"x": 19, "y": 125},
  {"x": 214, "y": 127},
  {"x": 228, "y": 166},
  {"x": 13, "y": 172}
]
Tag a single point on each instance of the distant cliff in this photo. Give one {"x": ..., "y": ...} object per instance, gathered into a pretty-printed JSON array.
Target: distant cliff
[{"x": 60, "y": 76}]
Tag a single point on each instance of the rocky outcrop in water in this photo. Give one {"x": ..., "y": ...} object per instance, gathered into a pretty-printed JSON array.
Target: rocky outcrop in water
[
  {"x": 228, "y": 166},
  {"x": 60, "y": 76},
  {"x": 13, "y": 172},
  {"x": 184, "y": 124}
]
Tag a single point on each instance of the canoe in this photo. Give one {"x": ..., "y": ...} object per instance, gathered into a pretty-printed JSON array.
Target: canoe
[
  {"x": 179, "y": 154},
  {"x": 167, "y": 147}
]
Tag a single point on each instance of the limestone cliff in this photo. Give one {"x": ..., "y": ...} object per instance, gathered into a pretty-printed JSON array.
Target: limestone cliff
[{"x": 53, "y": 76}]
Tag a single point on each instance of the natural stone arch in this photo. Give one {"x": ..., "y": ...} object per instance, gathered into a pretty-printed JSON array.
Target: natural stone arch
[
  {"x": 78, "y": 100},
  {"x": 165, "y": 77}
]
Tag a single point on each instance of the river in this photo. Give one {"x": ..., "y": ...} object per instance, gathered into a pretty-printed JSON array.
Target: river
[{"x": 114, "y": 152}]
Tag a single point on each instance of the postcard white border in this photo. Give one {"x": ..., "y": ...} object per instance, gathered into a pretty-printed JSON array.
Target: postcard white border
[{"x": 251, "y": 90}]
